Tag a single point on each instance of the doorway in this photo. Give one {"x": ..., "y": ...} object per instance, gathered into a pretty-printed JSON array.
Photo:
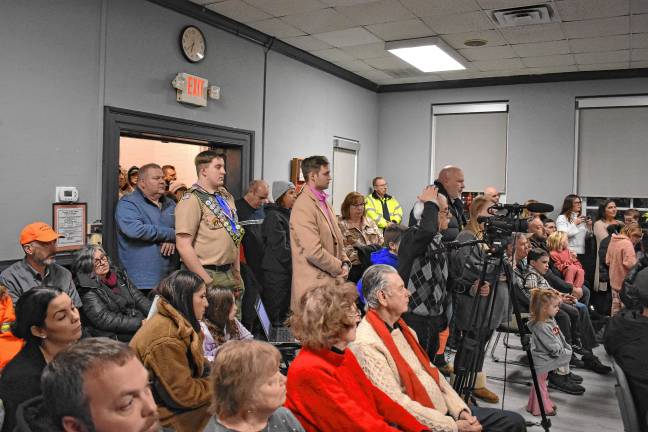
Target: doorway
[
  {"x": 133, "y": 138},
  {"x": 345, "y": 170}
]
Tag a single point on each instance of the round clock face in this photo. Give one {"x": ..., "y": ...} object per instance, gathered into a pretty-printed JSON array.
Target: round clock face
[{"x": 192, "y": 42}]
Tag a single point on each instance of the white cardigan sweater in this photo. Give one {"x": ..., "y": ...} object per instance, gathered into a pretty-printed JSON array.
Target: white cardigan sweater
[
  {"x": 576, "y": 234},
  {"x": 380, "y": 367}
]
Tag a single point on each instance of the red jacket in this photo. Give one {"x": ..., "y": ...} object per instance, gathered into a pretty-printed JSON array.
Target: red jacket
[{"x": 328, "y": 391}]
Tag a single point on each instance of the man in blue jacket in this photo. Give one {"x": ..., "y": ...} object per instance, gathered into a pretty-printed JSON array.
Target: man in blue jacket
[{"x": 146, "y": 229}]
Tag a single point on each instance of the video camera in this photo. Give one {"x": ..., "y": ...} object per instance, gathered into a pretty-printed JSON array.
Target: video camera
[{"x": 506, "y": 220}]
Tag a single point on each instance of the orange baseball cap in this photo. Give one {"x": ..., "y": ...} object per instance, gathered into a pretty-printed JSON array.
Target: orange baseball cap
[{"x": 38, "y": 231}]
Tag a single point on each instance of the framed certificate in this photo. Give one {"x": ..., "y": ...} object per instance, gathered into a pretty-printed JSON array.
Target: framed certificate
[{"x": 70, "y": 220}]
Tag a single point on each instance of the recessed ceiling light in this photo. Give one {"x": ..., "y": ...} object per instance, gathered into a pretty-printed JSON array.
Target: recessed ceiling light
[
  {"x": 475, "y": 42},
  {"x": 426, "y": 54}
]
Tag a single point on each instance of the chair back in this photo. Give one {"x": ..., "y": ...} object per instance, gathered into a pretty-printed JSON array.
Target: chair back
[{"x": 626, "y": 402}]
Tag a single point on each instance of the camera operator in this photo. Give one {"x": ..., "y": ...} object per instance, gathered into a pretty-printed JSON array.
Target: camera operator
[{"x": 425, "y": 269}]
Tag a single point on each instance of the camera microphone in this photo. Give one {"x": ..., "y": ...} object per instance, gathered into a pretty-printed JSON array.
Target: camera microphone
[{"x": 532, "y": 207}]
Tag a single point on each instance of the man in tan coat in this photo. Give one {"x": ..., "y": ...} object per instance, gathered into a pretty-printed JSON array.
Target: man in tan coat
[{"x": 316, "y": 243}]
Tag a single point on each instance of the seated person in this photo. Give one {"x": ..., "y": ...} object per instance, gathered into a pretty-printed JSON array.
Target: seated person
[
  {"x": 390, "y": 355},
  {"x": 113, "y": 306},
  {"x": 220, "y": 324},
  {"x": 245, "y": 401},
  {"x": 357, "y": 230},
  {"x": 48, "y": 321},
  {"x": 170, "y": 347},
  {"x": 38, "y": 268},
  {"x": 327, "y": 390},
  {"x": 97, "y": 385},
  {"x": 626, "y": 339},
  {"x": 550, "y": 226},
  {"x": 10, "y": 345},
  {"x": 565, "y": 259}
]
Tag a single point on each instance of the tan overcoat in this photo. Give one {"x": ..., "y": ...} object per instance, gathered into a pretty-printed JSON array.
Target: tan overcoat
[{"x": 317, "y": 246}]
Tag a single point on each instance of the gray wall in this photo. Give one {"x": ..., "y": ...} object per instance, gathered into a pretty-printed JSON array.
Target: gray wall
[
  {"x": 62, "y": 61},
  {"x": 541, "y": 135}
]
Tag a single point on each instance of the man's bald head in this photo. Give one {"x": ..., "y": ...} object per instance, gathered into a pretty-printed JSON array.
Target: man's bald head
[
  {"x": 491, "y": 194},
  {"x": 452, "y": 179}
]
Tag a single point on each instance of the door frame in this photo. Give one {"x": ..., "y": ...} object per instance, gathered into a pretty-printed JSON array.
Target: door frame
[
  {"x": 118, "y": 122},
  {"x": 345, "y": 144}
]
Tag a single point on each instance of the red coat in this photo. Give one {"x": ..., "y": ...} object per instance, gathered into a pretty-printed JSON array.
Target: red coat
[{"x": 329, "y": 392}]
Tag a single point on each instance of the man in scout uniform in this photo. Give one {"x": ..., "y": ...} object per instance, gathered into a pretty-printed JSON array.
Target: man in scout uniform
[{"x": 208, "y": 234}]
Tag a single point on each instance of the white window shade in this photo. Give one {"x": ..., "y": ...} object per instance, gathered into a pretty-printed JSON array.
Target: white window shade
[
  {"x": 476, "y": 143},
  {"x": 613, "y": 151}
]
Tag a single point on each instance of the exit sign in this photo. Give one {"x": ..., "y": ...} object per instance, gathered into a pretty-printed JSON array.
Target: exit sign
[{"x": 190, "y": 89}]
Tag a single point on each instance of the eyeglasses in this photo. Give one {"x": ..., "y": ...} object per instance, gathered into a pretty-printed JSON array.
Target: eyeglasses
[
  {"x": 361, "y": 205},
  {"x": 577, "y": 202},
  {"x": 102, "y": 259}
]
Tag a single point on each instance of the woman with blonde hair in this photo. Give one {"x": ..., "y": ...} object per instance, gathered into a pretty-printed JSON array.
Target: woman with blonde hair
[
  {"x": 249, "y": 390},
  {"x": 327, "y": 389},
  {"x": 621, "y": 257}
]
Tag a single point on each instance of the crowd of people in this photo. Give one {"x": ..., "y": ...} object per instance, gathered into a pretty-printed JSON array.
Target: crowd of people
[{"x": 162, "y": 336}]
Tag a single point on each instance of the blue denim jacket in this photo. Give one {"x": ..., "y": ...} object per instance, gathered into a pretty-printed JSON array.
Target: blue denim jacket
[{"x": 141, "y": 227}]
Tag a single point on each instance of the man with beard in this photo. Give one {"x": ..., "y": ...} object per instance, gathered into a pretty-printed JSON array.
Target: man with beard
[
  {"x": 97, "y": 385},
  {"x": 38, "y": 267}
]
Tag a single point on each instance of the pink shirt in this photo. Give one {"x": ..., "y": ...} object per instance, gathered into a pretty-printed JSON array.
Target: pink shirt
[
  {"x": 321, "y": 199},
  {"x": 621, "y": 258}
]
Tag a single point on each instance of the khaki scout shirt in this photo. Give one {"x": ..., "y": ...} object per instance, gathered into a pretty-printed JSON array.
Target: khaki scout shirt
[{"x": 211, "y": 241}]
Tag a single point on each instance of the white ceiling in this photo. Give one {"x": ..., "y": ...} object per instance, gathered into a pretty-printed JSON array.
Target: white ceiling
[{"x": 584, "y": 35}]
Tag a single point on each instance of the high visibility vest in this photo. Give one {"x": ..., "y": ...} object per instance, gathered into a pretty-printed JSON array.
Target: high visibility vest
[{"x": 374, "y": 210}]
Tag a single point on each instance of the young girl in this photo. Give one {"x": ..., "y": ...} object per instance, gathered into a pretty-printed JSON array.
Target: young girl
[
  {"x": 565, "y": 260},
  {"x": 549, "y": 348},
  {"x": 220, "y": 323}
]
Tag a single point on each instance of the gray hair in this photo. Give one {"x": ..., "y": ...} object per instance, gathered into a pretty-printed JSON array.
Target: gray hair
[
  {"x": 256, "y": 184},
  {"x": 84, "y": 260},
  {"x": 417, "y": 211},
  {"x": 374, "y": 280},
  {"x": 62, "y": 381}
]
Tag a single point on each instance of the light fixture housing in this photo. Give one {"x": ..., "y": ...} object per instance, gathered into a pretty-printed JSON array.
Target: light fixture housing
[{"x": 429, "y": 54}]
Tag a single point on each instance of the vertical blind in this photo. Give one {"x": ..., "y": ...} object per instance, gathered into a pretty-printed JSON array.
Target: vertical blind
[{"x": 475, "y": 142}]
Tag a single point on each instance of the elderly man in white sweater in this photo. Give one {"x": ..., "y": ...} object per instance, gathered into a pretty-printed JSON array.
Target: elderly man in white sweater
[{"x": 389, "y": 353}]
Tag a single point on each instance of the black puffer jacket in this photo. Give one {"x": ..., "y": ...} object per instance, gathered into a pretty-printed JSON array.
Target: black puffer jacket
[
  {"x": 110, "y": 314},
  {"x": 276, "y": 236}
]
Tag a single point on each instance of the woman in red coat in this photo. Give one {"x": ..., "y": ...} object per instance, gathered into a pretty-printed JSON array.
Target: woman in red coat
[{"x": 327, "y": 390}]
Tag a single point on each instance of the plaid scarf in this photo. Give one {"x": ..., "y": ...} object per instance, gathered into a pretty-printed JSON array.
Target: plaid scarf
[{"x": 427, "y": 281}]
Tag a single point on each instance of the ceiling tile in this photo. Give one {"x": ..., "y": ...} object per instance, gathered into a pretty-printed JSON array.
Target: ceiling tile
[
  {"x": 538, "y": 49},
  {"x": 493, "y": 65},
  {"x": 367, "y": 51},
  {"x": 639, "y": 23},
  {"x": 375, "y": 75},
  {"x": 204, "y": 2},
  {"x": 425, "y": 8},
  {"x": 377, "y": 12},
  {"x": 319, "y": 21},
  {"x": 307, "y": 43},
  {"x": 400, "y": 30},
  {"x": 459, "y": 23},
  {"x": 639, "y": 40},
  {"x": 348, "y": 37},
  {"x": 286, "y": 7},
  {"x": 457, "y": 40},
  {"x": 639, "y": 54},
  {"x": 603, "y": 66},
  {"x": 533, "y": 33},
  {"x": 597, "y": 27},
  {"x": 239, "y": 11},
  {"x": 355, "y": 65},
  {"x": 507, "y": 4},
  {"x": 575, "y": 10},
  {"x": 346, "y": 2},
  {"x": 552, "y": 60},
  {"x": 638, "y": 6},
  {"x": 277, "y": 28},
  {"x": 333, "y": 55},
  {"x": 605, "y": 43},
  {"x": 488, "y": 53},
  {"x": 603, "y": 57},
  {"x": 391, "y": 62}
]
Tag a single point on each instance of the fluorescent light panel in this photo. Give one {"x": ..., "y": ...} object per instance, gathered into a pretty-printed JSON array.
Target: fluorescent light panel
[{"x": 427, "y": 54}]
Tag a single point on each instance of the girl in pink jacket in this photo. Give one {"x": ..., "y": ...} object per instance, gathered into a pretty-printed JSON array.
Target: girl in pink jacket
[
  {"x": 621, "y": 258},
  {"x": 565, "y": 260}
]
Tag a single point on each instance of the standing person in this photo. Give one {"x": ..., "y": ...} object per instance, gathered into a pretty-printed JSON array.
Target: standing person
[
  {"x": 170, "y": 175},
  {"x": 382, "y": 208},
  {"x": 250, "y": 213},
  {"x": 48, "y": 321},
  {"x": 10, "y": 345},
  {"x": 208, "y": 233},
  {"x": 357, "y": 231},
  {"x": 631, "y": 216},
  {"x": 550, "y": 226},
  {"x": 176, "y": 191},
  {"x": 124, "y": 187},
  {"x": 621, "y": 257},
  {"x": 491, "y": 194},
  {"x": 578, "y": 228},
  {"x": 145, "y": 230},
  {"x": 250, "y": 205},
  {"x": 170, "y": 347},
  {"x": 277, "y": 260},
  {"x": 316, "y": 243},
  {"x": 451, "y": 183},
  {"x": 133, "y": 177},
  {"x": 605, "y": 217},
  {"x": 548, "y": 346},
  {"x": 38, "y": 267}
]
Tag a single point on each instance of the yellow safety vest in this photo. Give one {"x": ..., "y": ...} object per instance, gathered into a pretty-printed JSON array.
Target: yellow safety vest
[{"x": 374, "y": 210}]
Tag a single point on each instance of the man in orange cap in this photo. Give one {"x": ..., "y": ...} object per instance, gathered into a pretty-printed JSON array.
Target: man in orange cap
[{"x": 38, "y": 268}]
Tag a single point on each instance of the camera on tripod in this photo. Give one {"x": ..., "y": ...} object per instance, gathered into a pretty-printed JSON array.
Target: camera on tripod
[{"x": 506, "y": 220}]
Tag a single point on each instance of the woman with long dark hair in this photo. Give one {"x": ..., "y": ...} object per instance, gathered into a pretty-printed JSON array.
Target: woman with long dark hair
[
  {"x": 170, "y": 347},
  {"x": 606, "y": 216},
  {"x": 48, "y": 321},
  {"x": 220, "y": 321}
]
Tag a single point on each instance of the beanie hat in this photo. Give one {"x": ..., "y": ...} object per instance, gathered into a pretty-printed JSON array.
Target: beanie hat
[{"x": 279, "y": 188}]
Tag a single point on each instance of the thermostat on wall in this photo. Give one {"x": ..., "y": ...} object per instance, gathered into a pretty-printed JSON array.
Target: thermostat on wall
[{"x": 66, "y": 194}]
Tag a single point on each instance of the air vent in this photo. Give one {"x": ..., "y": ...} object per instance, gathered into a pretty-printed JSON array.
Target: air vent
[
  {"x": 523, "y": 16},
  {"x": 403, "y": 73}
]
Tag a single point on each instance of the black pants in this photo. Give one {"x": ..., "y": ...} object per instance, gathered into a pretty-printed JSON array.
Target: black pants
[
  {"x": 564, "y": 321},
  {"x": 276, "y": 296},
  {"x": 427, "y": 329},
  {"x": 496, "y": 420},
  {"x": 355, "y": 273}
]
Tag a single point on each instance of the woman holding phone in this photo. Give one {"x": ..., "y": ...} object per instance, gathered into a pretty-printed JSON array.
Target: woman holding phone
[{"x": 577, "y": 226}]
